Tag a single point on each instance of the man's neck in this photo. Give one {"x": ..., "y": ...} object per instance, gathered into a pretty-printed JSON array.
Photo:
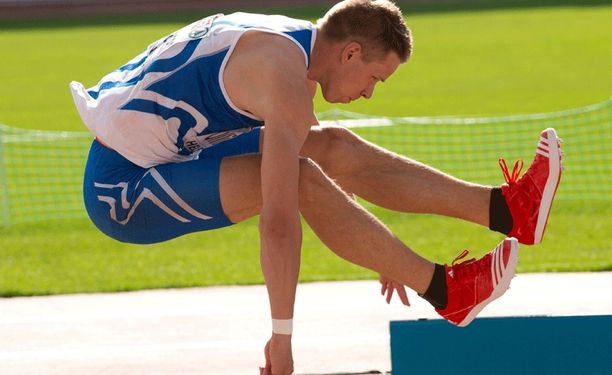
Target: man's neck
[{"x": 319, "y": 57}]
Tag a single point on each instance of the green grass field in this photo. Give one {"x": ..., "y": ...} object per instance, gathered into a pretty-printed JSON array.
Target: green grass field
[
  {"x": 481, "y": 61},
  {"x": 72, "y": 257}
]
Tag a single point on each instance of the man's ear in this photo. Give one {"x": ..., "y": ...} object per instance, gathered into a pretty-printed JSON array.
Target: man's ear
[{"x": 350, "y": 51}]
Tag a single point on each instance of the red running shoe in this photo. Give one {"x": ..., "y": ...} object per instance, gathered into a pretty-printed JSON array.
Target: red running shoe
[
  {"x": 530, "y": 197},
  {"x": 473, "y": 284}
]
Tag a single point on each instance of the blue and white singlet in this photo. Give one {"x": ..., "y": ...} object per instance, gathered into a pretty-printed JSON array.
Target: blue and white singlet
[{"x": 169, "y": 102}]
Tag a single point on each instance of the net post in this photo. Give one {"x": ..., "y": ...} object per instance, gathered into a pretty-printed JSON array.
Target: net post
[{"x": 4, "y": 191}]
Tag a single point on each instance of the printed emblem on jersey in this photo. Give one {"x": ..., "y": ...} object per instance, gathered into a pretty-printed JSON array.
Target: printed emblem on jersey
[
  {"x": 164, "y": 42},
  {"x": 195, "y": 143},
  {"x": 201, "y": 27}
]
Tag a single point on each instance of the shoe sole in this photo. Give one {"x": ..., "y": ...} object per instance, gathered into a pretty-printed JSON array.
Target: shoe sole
[
  {"x": 502, "y": 286},
  {"x": 554, "y": 170}
]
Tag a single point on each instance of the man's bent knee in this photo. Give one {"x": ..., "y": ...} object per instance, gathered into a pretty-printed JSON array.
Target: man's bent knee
[
  {"x": 338, "y": 137},
  {"x": 335, "y": 149},
  {"x": 313, "y": 181}
]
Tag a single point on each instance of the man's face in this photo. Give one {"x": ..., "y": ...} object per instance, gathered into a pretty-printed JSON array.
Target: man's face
[{"x": 353, "y": 77}]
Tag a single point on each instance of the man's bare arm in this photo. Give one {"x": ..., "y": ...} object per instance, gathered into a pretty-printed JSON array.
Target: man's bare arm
[{"x": 271, "y": 83}]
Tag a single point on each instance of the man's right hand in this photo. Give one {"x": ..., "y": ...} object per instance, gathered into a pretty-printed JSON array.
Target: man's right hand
[
  {"x": 389, "y": 285},
  {"x": 279, "y": 357}
]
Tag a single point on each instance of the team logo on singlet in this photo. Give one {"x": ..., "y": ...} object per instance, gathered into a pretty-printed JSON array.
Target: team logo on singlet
[
  {"x": 194, "y": 143},
  {"x": 201, "y": 27}
]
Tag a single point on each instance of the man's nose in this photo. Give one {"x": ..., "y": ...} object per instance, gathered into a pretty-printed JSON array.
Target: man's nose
[{"x": 367, "y": 93}]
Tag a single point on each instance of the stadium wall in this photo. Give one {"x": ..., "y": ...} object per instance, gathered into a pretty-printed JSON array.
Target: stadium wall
[
  {"x": 42, "y": 9},
  {"x": 50, "y": 9}
]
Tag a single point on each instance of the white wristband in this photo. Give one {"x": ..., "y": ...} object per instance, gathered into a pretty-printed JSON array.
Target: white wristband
[{"x": 282, "y": 326}]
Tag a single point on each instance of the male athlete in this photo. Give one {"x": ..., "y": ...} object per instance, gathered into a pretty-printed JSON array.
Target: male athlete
[{"x": 181, "y": 147}]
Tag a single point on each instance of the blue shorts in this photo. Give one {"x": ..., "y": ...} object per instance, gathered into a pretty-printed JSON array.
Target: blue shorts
[{"x": 147, "y": 205}]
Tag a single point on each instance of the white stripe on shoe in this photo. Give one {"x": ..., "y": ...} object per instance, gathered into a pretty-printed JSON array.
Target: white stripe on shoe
[
  {"x": 496, "y": 266},
  {"x": 554, "y": 173}
]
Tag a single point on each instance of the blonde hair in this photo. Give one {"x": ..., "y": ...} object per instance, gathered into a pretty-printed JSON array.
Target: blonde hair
[{"x": 378, "y": 25}]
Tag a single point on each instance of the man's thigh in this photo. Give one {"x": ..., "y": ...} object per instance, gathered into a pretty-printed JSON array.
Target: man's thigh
[{"x": 240, "y": 180}]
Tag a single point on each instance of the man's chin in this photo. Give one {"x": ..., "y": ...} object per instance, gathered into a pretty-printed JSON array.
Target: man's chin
[{"x": 332, "y": 99}]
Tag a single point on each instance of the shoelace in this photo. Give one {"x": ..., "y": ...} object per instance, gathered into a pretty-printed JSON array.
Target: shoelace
[
  {"x": 461, "y": 256},
  {"x": 463, "y": 270},
  {"x": 516, "y": 170}
]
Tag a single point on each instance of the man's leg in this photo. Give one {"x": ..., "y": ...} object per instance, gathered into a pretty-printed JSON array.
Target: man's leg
[
  {"x": 519, "y": 208},
  {"x": 393, "y": 181}
]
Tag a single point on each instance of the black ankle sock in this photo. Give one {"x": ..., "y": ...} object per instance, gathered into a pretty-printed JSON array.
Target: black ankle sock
[
  {"x": 436, "y": 294},
  {"x": 500, "y": 219}
]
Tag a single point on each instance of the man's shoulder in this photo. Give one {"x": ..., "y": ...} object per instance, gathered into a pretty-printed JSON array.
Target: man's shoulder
[
  {"x": 266, "y": 69},
  {"x": 275, "y": 50}
]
